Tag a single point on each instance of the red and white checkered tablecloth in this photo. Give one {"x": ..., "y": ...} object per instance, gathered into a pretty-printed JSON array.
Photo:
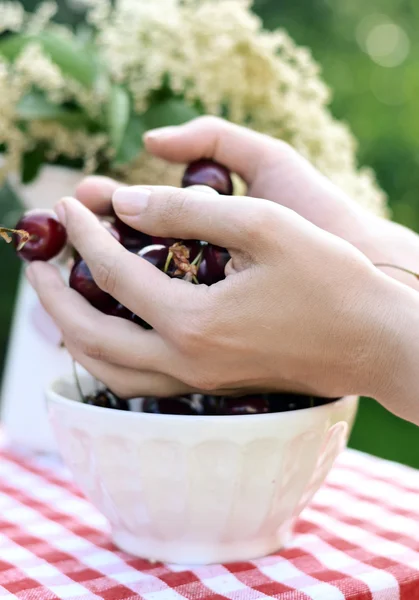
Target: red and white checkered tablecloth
[{"x": 359, "y": 539}]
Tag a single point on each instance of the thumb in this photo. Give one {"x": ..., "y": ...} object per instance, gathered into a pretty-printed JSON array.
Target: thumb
[{"x": 234, "y": 222}]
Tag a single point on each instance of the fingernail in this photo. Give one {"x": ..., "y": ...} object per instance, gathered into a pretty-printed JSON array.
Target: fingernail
[
  {"x": 60, "y": 212},
  {"x": 160, "y": 133},
  {"x": 130, "y": 200}
]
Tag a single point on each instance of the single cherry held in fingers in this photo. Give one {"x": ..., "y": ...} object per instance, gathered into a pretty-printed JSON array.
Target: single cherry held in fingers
[
  {"x": 47, "y": 237},
  {"x": 82, "y": 281},
  {"x": 210, "y": 173}
]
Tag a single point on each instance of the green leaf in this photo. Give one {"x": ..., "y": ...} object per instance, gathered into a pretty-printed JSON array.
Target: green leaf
[
  {"x": 69, "y": 58},
  {"x": 132, "y": 142},
  {"x": 117, "y": 115},
  {"x": 68, "y": 55},
  {"x": 11, "y": 46},
  {"x": 169, "y": 112},
  {"x": 35, "y": 106},
  {"x": 31, "y": 164}
]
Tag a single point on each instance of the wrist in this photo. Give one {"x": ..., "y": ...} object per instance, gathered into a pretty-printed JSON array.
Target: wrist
[
  {"x": 386, "y": 243},
  {"x": 392, "y": 375}
]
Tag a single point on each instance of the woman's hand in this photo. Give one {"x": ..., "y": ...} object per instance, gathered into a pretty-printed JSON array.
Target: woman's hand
[
  {"x": 300, "y": 310},
  {"x": 271, "y": 169},
  {"x": 275, "y": 171}
]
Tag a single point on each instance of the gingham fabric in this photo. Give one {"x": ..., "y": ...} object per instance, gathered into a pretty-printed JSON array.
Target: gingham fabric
[{"x": 359, "y": 539}]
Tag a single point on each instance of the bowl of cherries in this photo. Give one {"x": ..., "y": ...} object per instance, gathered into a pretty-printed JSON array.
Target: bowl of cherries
[{"x": 191, "y": 479}]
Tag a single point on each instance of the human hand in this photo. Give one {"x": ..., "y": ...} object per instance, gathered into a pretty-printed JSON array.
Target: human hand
[
  {"x": 275, "y": 171},
  {"x": 300, "y": 310},
  {"x": 272, "y": 170}
]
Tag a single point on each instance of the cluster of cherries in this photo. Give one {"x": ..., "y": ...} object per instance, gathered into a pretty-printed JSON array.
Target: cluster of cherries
[{"x": 40, "y": 236}]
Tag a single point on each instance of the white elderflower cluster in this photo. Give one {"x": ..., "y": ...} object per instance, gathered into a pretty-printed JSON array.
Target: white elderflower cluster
[
  {"x": 10, "y": 135},
  {"x": 12, "y": 16},
  {"x": 215, "y": 54},
  {"x": 34, "y": 68}
]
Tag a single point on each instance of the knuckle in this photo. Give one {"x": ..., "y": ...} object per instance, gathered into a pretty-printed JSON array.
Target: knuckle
[
  {"x": 197, "y": 379},
  {"x": 258, "y": 223},
  {"x": 121, "y": 388},
  {"x": 283, "y": 147},
  {"x": 195, "y": 331},
  {"x": 211, "y": 122},
  {"x": 92, "y": 349},
  {"x": 105, "y": 273},
  {"x": 173, "y": 208},
  {"x": 88, "y": 344},
  {"x": 190, "y": 338}
]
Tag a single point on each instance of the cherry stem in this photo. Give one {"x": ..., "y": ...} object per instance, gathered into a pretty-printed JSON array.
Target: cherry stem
[
  {"x": 168, "y": 261},
  {"x": 5, "y": 233},
  {"x": 77, "y": 380},
  {"x": 198, "y": 259},
  {"x": 403, "y": 269},
  {"x": 197, "y": 262}
]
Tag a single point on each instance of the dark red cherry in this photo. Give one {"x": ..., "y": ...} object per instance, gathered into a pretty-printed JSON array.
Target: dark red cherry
[
  {"x": 156, "y": 254},
  {"x": 210, "y": 405},
  {"x": 322, "y": 401},
  {"x": 139, "y": 321},
  {"x": 121, "y": 311},
  {"x": 212, "y": 268},
  {"x": 47, "y": 236},
  {"x": 245, "y": 405},
  {"x": 106, "y": 399},
  {"x": 194, "y": 246},
  {"x": 163, "y": 241},
  {"x": 183, "y": 255},
  {"x": 174, "y": 405},
  {"x": 82, "y": 281},
  {"x": 287, "y": 402},
  {"x": 210, "y": 173},
  {"x": 131, "y": 238}
]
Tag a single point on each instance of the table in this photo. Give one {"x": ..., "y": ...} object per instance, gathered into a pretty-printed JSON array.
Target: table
[{"x": 359, "y": 540}]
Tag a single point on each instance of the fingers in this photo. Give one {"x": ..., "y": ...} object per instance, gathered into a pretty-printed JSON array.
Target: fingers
[
  {"x": 241, "y": 150},
  {"x": 134, "y": 282},
  {"x": 95, "y": 192},
  {"x": 96, "y": 336},
  {"x": 125, "y": 382},
  {"x": 233, "y": 222}
]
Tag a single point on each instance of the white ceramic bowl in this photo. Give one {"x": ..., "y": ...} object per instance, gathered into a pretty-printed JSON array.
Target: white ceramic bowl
[{"x": 198, "y": 490}]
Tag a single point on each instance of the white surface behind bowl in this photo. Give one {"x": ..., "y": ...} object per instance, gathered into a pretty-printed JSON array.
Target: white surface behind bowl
[{"x": 198, "y": 490}]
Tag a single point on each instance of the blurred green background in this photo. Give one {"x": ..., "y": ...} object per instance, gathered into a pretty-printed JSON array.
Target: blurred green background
[{"x": 370, "y": 58}]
